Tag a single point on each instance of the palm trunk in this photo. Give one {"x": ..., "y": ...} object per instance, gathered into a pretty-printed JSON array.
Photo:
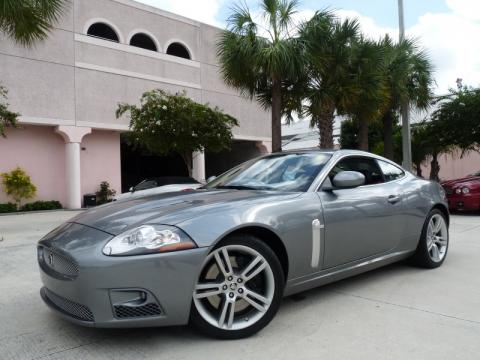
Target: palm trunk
[
  {"x": 434, "y": 168},
  {"x": 418, "y": 169},
  {"x": 388, "y": 135},
  {"x": 363, "y": 135},
  {"x": 325, "y": 125},
  {"x": 276, "y": 115}
]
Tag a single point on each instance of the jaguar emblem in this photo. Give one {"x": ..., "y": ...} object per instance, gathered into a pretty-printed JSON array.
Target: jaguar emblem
[{"x": 50, "y": 259}]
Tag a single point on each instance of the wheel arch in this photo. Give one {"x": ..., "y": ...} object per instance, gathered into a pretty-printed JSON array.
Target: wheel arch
[
  {"x": 444, "y": 210},
  {"x": 267, "y": 236}
]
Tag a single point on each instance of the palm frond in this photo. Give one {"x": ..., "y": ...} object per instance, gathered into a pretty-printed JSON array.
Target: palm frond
[{"x": 29, "y": 21}]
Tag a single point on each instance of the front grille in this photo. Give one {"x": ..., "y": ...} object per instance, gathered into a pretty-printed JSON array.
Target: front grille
[
  {"x": 124, "y": 311},
  {"x": 57, "y": 264},
  {"x": 69, "y": 307}
]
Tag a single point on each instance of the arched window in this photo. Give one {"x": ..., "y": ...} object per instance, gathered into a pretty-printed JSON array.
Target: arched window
[
  {"x": 177, "y": 49},
  {"x": 102, "y": 31},
  {"x": 143, "y": 41}
]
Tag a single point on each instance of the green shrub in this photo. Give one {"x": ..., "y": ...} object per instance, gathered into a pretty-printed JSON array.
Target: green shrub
[
  {"x": 8, "y": 208},
  {"x": 18, "y": 185},
  {"x": 42, "y": 205},
  {"x": 105, "y": 194}
]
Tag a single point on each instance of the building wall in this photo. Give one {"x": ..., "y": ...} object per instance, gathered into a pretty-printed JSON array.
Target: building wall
[
  {"x": 452, "y": 166},
  {"x": 40, "y": 152},
  {"x": 74, "y": 80},
  {"x": 95, "y": 168}
]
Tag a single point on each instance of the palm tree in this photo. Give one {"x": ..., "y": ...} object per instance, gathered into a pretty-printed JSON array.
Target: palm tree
[
  {"x": 327, "y": 46},
  {"x": 257, "y": 59},
  {"x": 368, "y": 88},
  {"x": 27, "y": 21},
  {"x": 408, "y": 75}
]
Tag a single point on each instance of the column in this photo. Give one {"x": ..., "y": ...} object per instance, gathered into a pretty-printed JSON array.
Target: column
[
  {"x": 73, "y": 135},
  {"x": 72, "y": 175},
  {"x": 198, "y": 168}
]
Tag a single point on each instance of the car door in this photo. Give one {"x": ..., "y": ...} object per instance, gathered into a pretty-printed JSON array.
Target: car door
[{"x": 362, "y": 221}]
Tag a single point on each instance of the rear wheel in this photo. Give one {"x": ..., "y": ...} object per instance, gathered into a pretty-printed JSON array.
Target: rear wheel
[
  {"x": 433, "y": 245},
  {"x": 239, "y": 289}
]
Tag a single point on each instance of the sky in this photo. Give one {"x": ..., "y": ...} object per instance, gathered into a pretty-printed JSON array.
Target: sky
[{"x": 449, "y": 30}]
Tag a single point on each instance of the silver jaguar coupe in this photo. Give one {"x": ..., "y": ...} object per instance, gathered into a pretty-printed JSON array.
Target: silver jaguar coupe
[{"x": 223, "y": 256}]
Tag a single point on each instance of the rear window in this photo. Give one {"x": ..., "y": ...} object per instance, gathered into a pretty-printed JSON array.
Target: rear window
[{"x": 390, "y": 172}]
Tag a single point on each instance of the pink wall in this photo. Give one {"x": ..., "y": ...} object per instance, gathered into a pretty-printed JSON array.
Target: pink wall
[
  {"x": 100, "y": 161},
  {"x": 40, "y": 152},
  {"x": 452, "y": 167}
]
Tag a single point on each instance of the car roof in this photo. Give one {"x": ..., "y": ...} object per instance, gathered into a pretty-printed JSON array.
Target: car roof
[{"x": 329, "y": 151}]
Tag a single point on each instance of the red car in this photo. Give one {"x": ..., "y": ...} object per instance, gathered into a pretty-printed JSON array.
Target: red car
[{"x": 464, "y": 193}]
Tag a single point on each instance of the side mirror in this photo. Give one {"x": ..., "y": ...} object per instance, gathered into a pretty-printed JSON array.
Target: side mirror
[
  {"x": 211, "y": 178},
  {"x": 132, "y": 189},
  {"x": 348, "y": 179}
]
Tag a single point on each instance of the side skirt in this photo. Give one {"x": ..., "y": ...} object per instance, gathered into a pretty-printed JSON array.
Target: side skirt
[{"x": 338, "y": 273}]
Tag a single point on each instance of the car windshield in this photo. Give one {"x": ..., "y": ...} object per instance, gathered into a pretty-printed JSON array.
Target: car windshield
[
  {"x": 282, "y": 172},
  {"x": 146, "y": 184}
]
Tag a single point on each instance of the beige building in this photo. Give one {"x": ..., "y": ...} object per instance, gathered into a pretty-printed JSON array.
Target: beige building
[{"x": 101, "y": 53}]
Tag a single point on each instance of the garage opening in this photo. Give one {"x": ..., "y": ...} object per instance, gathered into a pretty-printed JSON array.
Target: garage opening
[
  {"x": 241, "y": 151},
  {"x": 139, "y": 164}
]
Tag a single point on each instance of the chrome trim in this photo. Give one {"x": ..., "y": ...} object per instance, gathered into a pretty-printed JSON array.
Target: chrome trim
[{"x": 316, "y": 242}]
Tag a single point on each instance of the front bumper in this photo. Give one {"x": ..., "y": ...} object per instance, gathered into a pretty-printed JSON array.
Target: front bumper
[
  {"x": 91, "y": 289},
  {"x": 464, "y": 202}
]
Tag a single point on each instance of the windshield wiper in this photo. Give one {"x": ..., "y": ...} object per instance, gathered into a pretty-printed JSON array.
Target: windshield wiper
[
  {"x": 242, "y": 187},
  {"x": 236, "y": 187}
]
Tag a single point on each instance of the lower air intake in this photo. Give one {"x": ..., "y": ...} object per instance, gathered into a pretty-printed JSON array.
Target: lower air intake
[
  {"x": 126, "y": 311},
  {"x": 69, "y": 307}
]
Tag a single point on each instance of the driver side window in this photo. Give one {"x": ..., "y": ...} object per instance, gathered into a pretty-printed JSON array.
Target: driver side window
[{"x": 366, "y": 166}]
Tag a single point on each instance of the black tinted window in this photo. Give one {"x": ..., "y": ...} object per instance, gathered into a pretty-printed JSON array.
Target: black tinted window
[
  {"x": 390, "y": 172},
  {"x": 368, "y": 167}
]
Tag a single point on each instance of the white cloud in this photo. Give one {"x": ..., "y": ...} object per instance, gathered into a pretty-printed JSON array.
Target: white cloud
[
  {"x": 205, "y": 11},
  {"x": 451, "y": 40},
  {"x": 469, "y": 9},
  {"x": 368, "y": 26}
]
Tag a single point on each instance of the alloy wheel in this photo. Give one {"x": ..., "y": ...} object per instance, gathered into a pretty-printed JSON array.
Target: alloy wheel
[
  {"x": 437, "y": 238},
  {"x": 235, "y": 288}
]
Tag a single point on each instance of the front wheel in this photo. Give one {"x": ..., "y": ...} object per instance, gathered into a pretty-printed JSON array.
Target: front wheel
[
  {"x": 433, "y": 245},
  {"x": 239, "y": 289}
]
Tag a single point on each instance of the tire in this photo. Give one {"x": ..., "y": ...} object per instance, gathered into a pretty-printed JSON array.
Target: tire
[
  {"x": 247, "y": 290},
  {"x": 429, "y": 246}
]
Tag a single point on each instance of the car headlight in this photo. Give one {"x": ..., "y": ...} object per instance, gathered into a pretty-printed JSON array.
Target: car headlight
[
  {"x": 148, "y": 239},
  {"x": 458, "y": 191},
  {"x": 465, "y": 190}
]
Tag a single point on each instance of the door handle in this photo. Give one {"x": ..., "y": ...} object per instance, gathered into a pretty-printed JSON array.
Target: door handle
[{"x": 393, "y": 199}]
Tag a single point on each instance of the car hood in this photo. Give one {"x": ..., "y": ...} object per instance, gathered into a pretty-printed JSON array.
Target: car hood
[
  {"x": 156, "y": 190},
  {"x": 173, "y": 208},
  {"x": 461, "y": 181}
]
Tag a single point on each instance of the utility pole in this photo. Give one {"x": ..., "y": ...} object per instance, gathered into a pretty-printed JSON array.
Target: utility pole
[{"x": 406, "y": 136}]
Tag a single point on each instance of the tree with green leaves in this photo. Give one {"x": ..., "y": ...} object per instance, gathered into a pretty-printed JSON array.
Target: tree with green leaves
[
  {"x": 408, "y": 75},
  {"x": 369, "y": 91},
  {"x": 327, "y": 45},
  {"x": 27, "y": 21},
  {"x": 166, "y": 123},
  {"x": 458, "y": 114},
  {"x": 7, "y": 118},
  {"x": 257, "y": 59}
]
